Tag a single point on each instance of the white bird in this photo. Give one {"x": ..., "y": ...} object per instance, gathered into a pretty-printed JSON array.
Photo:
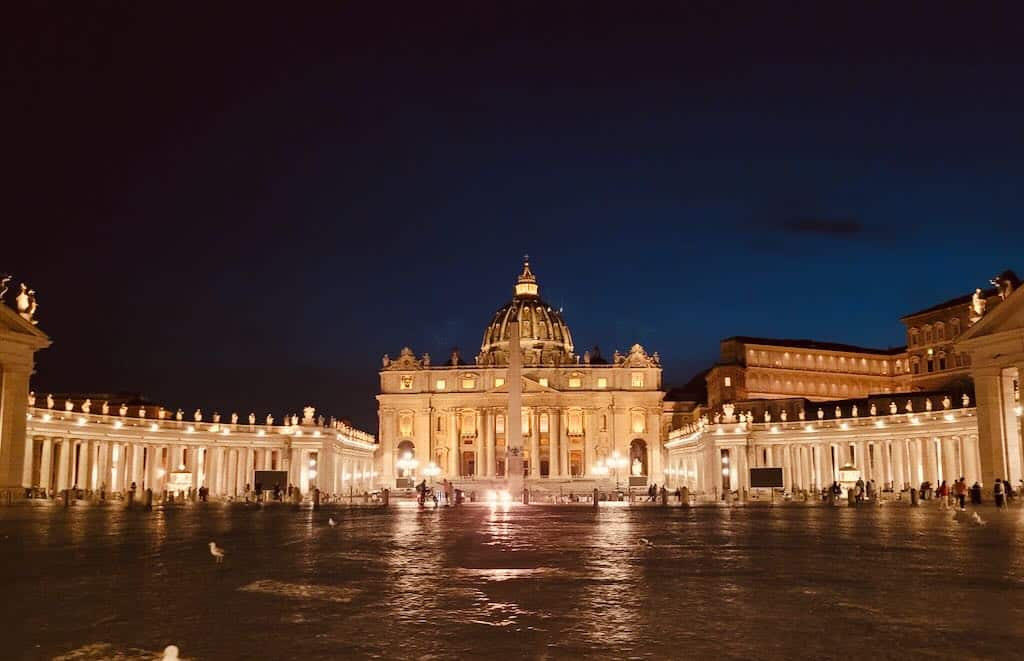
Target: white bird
[
  {"x": 170, "y": 653},
  {"x": 331, "y": 521},
  {"x": 977, "y": 519},
  {"x": 645, "y": 541},
  {"x": 217, "y": 552}
]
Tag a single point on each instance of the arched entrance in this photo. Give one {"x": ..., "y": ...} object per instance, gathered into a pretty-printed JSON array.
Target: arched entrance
[
  {"x": 638, "y": 458},
  {"x": 405, "y": 464}
]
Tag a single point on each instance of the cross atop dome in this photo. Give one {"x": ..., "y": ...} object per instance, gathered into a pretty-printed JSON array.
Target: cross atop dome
[{"x": 526, "y": 284}]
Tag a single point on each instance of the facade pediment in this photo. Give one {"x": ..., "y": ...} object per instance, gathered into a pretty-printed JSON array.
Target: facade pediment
[
  {"x": 1007, "y": 317},
  {"x": 529, "y": 385},
  {"x": 14, "y": 328}
]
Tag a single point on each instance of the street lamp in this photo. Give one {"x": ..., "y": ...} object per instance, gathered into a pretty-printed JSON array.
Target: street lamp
[
  {"x": 407, "y": 464},
  {"x": 615, "y": 462},
  {"x": 432, "y": 470}
]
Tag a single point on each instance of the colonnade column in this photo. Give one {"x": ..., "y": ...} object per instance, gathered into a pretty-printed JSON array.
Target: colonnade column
[
  {"x": 44, "y": 470},
  {"x": 898, "y": 474}
]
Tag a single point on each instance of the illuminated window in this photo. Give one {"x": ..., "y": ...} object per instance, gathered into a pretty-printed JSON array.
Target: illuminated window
[
  {"x": 575, "y": 382},
  {"x": 543, "y": 381},
  {"x": 728, "y": 382},
  {"x": 499, "y": 424},
  {"x": 544, "y": 423},
  {"x": 440, "y": 384},
  {"x": 638, "y": 425},
  {"x": 468, "y": 423},
  {"x": 498, "y": 382},
  {"x": 406, "y": 383},
  {"x": 637, "y": 380},
  {"x": 575, "y": 423},
  {"x": 468, "y": 382},
  {"x": 602, "y": 382},
  {"x": 405, "y": 423}
]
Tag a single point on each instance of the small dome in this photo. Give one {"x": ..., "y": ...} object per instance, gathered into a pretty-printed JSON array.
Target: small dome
[{"x": 543, "y": 335}]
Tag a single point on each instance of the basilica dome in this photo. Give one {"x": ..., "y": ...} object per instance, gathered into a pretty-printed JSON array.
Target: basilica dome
[{"x": 543, "y": 335}]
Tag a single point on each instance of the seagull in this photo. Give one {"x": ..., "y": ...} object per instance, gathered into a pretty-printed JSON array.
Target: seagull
[
  {"x": 217, "y": 552},
  {"x": 171, "y": 652},
  {"x": 978, "y": 521},
  {"x": 644, "y": 541},
  {"x": 331, "y": 521}
]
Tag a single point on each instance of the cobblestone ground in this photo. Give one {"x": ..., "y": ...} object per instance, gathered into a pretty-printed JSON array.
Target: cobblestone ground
[{"x": 539, "y": 582}]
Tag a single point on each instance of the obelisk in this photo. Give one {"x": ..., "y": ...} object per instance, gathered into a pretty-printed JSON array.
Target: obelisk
[{"x": 514, "y": 427}]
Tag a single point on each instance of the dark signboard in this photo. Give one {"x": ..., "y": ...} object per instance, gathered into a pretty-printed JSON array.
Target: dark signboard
[
  {"x": 766, "y": 478},
  {"x": 265, "y": 480}
]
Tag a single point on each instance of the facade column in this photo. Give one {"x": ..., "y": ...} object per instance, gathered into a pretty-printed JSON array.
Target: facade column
[
  {"x": 970, "y": 449},
  {"x": 489, "y": 443},
  {"x": 991, "y": 423},
  {"x": 554, "y": 444},
  {"x": 13, "y": 421},
  {"x": 534, "y": 443},
  {"x": 478, "y": 443},
  {"x": 455, "y": 452},
  {"x": 28, "y": 462}
]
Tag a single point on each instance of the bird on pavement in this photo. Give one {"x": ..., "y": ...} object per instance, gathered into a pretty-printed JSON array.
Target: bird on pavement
[
  {"x": 217, "y": 552},
  {"x": 331, "y": 521}
]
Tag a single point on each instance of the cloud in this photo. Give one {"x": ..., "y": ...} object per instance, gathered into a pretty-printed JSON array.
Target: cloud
[{"x": 833, "y": 227}]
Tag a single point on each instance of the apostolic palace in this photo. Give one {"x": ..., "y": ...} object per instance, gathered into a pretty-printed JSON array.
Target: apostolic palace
[{"x": 946, "y": 405}]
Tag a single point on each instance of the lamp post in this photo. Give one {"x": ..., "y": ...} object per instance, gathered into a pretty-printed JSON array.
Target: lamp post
[
  {"x": 432, "y": 470},
  {"x": 615, "y": 462},
  {"x": 407, "y": 464}
]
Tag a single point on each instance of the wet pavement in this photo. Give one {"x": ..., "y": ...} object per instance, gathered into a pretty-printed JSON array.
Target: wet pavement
[{"x": 538, "y": 582}]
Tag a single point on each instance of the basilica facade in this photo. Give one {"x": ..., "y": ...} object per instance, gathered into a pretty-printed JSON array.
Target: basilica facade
[{"x": 580, "y": 414}]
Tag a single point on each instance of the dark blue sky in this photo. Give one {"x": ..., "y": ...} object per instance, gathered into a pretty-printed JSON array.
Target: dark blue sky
[{"x": 244, "y": 208}]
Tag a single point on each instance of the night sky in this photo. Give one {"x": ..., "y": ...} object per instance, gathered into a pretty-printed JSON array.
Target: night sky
[{"x": 243, "y": 209}]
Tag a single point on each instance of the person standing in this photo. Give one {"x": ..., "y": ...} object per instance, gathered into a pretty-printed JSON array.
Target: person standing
[
  {"x": 1000, "y": 495},
  {"x": 960, "y": 491},
  {"x": 943, "y": 496}
]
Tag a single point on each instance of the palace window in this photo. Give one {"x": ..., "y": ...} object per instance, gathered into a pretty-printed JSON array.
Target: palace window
[
  {"x": 940, "y": 332},
  {"x": 575, "y": 381},
  {"x": 406, "y": 383},
  {"x": 440, "y": 384},
  {"x": 468, "y": 382},
  {"x": 913, "y": 337},
  {"x": 915, "y": 365},
  {"x": 543, "y": 381},
  {"x": 544, "y": 423},
  {"x": 942, "y": 360},
  {"x": 954, "y": 328},
  {"x": 638, "y": 423},
  {"x": 636, "y": 380},
  {"x": 927, "y": 335},
  {"x": 405, "y": 424},
  {"x": 499, "y": 425},
  {"x": 602, "y": 382},
  {"x": 728, "y": 382},
  {"x": 498, "y": 382}
]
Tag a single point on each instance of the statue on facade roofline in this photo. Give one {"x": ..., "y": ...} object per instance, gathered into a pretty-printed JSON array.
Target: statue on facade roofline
[
  {"x": 426, "y": 360},
  {"x": 947, "y": 403},
  {"x": 909, "y": 408},
  {"x": 892, "y": 408},
  {"x": 385, "y": 361},
  {"x": 179, "y": 415},
  {"x": 105, "y": 409},
  {"x": 123, "y": 411},
  {"x": 839, "y": 412},
  {"x": 69, "y": 405},
  {"x": 783, "y": 415},
  {"x": 307, "y": 414},
  {"x": 966, "y": 400},
  {"x": 270, "y": 420},
  {"x": 234, "y": 418},
  {"x": 252, "y": 418},
  {"x": 216, "y": 417},
  {"x": 295, "y": 419},
  {"x": 802, "y": 415},
  {"x": 142, "y": 412},
  {"x": 853, "y": 411},
  {"x": 928, "y": 404},
  {"x": 978, "y": 304},
  {"x": 31, "y": 397},
  {"x": 3, "y": 285},
  {"x": 197, "y": 416},
  {"x": 49, "y": 401},
  {"x": 873, "y": 410},
  {"x": 821, "y": 414},
  {"x": 86, "y": 405},
  {"x": 767, "y": 416},
  {"x": 1004, "y": 284}
]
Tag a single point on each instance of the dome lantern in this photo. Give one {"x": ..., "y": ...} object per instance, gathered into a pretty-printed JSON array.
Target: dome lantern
[{"x": 544, "y": 338}]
